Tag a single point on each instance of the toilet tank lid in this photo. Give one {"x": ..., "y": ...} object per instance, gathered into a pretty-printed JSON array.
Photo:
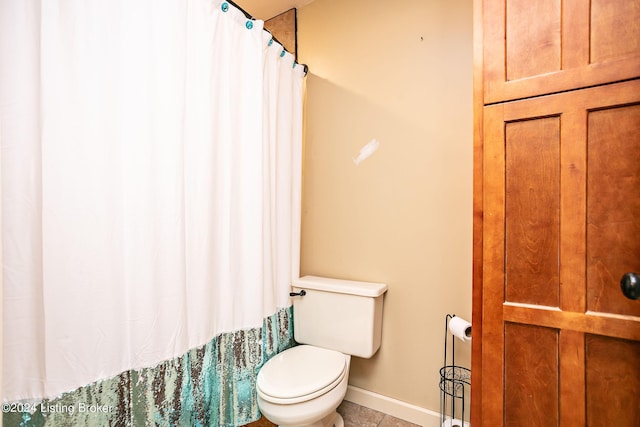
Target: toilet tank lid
[{"x": 352, "y": 287}]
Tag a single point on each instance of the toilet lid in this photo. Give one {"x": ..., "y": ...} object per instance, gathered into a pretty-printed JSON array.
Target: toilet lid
[{"x": 300, "y": 371}]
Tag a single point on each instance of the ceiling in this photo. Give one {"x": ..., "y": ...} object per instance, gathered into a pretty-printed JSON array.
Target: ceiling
[{"x": 265, "y": 9}]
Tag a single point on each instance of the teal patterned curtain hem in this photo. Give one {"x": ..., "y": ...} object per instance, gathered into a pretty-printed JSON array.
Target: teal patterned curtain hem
[{"x": 212, "y": 385}]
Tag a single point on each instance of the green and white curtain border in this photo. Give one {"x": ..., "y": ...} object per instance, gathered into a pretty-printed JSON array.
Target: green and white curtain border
[{"x": 212, "y": 385}]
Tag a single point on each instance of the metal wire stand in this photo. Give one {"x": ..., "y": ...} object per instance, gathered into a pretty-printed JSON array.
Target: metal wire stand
[{"x": 455, "y": 382}]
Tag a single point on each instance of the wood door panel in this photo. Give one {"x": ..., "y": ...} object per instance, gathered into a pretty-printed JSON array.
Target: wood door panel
[
  {"x": 549, "y": 46},
  {"x": 613, "y": 389},
  {"x": 615, "y": 29},
  {"x": 533, "y": 49},
  {"x": 531, "y": 386},
  {"x": 554, "y": 168},
  {"x": 613, "y": 207},
  {"x": 532, "y": 211}
]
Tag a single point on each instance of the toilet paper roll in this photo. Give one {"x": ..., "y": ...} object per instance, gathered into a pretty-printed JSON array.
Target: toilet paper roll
[
  {"x": 460, "y": 328},
  {"x": 455, "y": 423}
]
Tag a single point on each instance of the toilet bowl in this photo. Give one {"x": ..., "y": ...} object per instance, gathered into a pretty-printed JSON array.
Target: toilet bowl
[
  {"x": 303, "y": 386},
  {"x": 334, "y": 320}
]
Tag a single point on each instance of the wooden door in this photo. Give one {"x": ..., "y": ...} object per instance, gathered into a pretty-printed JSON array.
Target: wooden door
[
  {"x": 561, "y": 225},
  {"x": 546, "y": 46}
]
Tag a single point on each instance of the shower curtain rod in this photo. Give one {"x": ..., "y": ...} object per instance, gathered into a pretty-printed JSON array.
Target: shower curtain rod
[{"x": 249, "y": 16}]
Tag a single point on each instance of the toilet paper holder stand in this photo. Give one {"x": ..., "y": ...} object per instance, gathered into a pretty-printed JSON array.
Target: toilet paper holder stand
[{"x": 455, "y": 383}]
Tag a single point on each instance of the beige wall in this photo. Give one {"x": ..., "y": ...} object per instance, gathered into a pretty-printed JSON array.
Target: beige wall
[{"x": 400, "y": 72}]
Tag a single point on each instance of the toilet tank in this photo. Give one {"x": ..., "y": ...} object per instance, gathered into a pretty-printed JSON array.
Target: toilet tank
[{"x": 341, "y": 315}]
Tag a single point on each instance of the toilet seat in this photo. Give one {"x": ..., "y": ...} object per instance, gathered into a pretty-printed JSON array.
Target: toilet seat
[{"x": 300, "y": 373}]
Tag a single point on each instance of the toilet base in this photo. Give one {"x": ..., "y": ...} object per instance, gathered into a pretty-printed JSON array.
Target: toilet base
[{"x": 332, "y": 420}]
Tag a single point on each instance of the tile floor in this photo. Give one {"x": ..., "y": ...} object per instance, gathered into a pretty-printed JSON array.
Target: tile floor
[{"x": 356, "y": 416}]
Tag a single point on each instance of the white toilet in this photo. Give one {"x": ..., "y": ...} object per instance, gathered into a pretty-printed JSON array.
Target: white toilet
[{"x": 333, "y": 320}]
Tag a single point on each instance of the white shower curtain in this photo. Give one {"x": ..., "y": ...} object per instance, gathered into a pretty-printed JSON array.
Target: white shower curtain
[{"x": 151, "y": 156}]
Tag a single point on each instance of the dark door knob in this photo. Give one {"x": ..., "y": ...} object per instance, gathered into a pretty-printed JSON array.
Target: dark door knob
[{"x": 630, "y": 284}]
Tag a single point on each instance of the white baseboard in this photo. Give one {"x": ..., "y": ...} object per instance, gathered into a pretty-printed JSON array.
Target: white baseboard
[{"x": 396, "y": 408}]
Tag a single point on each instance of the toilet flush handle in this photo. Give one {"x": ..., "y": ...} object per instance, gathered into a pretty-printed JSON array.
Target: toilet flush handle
[{"x": 298, "y": 294}]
